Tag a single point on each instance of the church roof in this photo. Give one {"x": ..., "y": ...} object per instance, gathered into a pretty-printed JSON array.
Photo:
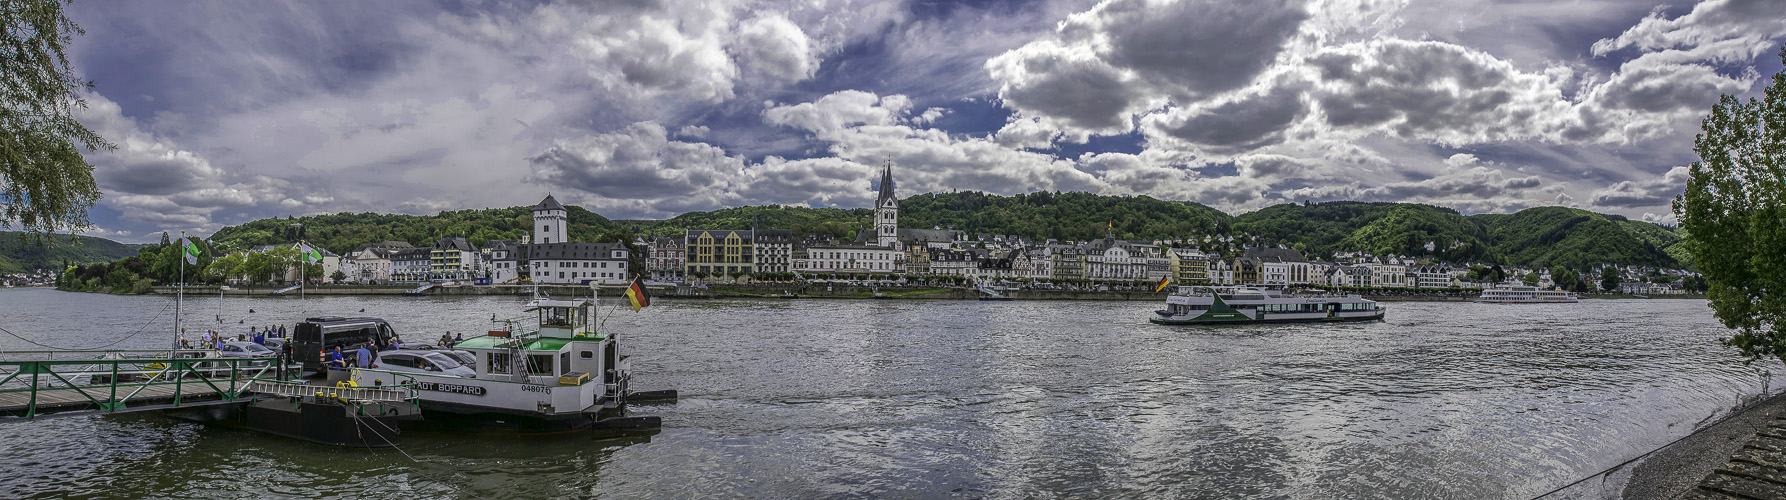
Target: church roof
[
  {"x": 886, "y": 185},
  {"x": 549, "y": 203}
]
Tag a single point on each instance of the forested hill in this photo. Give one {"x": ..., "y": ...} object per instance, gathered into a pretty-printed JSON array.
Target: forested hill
[
  {"x": 343, "y": 232},
  {"x": 1065, "y": 216},
  {"x": 19, "y": 252},
  {"x": 1544, "y": 236}
]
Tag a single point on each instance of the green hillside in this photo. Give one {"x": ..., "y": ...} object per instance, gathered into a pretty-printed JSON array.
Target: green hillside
[
  {"x": 1066, "y": 216},
  {"x": 1076, "y": 216},
  {"x": 343, "y": 232},
  {"x": 19, "y": 252},
  {"x": 1544, "y": 236},
  {"x": 837, "y": 222},
  {"x": 1574, "y": 238},
  {"x": 1378, "y": 228}
]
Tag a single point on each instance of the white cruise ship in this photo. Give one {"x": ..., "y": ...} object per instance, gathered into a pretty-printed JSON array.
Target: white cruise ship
[
  {"x": 1525, "y": 295},
  {"x": 1191, "y": 305}
]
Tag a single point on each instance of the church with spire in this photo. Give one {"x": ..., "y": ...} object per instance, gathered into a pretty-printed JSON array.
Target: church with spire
[{"x": 886, "y": 212}]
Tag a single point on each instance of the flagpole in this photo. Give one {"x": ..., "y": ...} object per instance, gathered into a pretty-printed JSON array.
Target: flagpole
[{"x": 180, "y": 297}]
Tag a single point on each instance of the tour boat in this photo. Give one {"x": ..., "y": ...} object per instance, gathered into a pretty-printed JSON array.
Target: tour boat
[
  {"x": 561, "y": 375},
  {"x": 1195, "y": 305},
  {"x": 1525, "y": 295}
]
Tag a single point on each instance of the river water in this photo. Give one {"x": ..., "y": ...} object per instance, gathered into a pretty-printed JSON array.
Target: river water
[{"x": 934, "y": 399}]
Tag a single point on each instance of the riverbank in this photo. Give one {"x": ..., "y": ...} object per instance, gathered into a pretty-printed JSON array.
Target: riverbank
[
  {"x": 780, "y": 290},
  {"x": 1677, "y": 468}
]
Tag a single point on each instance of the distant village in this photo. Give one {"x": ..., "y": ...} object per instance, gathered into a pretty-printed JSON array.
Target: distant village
[{"x": 888, "y": 252}]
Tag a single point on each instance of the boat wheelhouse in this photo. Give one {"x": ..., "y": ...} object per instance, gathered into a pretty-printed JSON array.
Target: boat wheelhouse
[
  {"x": 1525, "y": 295},
  {"x": 562, "y": 374},
  {"x": 1190, "y": 305}
]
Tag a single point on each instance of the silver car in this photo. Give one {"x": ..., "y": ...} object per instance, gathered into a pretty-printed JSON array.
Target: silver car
[
  {"x": 247, "y": 350},
  {"x": 429, "y": 362}
]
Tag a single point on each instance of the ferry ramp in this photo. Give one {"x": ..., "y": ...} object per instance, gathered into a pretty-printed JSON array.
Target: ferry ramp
[{"x": 38, "y": 384}]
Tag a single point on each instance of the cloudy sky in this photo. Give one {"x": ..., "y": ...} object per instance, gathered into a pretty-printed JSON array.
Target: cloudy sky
[{"x": 225, "y": 112}]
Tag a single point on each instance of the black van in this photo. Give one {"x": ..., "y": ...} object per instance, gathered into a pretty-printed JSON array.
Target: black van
[{"x": 316, "y": 335}]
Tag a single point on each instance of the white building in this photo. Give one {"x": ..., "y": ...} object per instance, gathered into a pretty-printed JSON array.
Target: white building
[
  {"x": 851, "y": 259},
  {"x": 578, "y": 262}
]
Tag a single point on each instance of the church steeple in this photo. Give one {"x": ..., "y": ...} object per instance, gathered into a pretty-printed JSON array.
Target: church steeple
[
  {"x": 886, "y": 212},
  {"x": 886, "y": 186}
]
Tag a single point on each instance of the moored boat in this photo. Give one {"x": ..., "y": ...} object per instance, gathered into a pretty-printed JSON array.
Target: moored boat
[
  {"x": 1192, "y": 305},
  {"x": 1525, "y": 295},
  {"x": 560, "y": 375}
]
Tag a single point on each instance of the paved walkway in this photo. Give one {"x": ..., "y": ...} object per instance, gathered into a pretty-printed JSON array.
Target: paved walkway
[{"x": 1757, "y": 470}]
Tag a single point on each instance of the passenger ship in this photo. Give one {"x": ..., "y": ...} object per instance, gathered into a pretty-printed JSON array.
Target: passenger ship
[
  {"x": 1216, "y": 305},
  {"x": 562, "y": 375},
  {"x": 1525, "y": 295}
]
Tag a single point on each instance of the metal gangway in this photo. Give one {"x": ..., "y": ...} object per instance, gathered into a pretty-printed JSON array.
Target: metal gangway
[
  {"x": 36, "y": 384},
  {"x": 421, "y": 290},
  {"x": 281, "y": 292},
  {"x": 284, "y": 389}
]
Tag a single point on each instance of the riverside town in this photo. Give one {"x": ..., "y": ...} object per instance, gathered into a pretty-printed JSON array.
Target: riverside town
[{"x": 890, "y": 249}]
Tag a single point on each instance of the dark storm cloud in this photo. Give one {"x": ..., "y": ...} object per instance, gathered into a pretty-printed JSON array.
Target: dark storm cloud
[
  {"x": 1195, "y": 48},
  {"x": 1121, "y": 55},
  {"x": 1427, "y": 89},
  {"x": 1643, "y": 192},
  {"x": 1242, "y": 125},
  {"x": 1083, "y": 93},
  {"x": 638, "y": 163}
]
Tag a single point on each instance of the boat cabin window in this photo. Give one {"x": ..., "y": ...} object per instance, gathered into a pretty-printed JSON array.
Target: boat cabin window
[
  {"x": 539, "y": 364},
  {"x": 498, "y": 362},
  {"x": 564, "y": 363},
  {"x": 588, "y": 354},
  {"x": 555, "y": 316}
]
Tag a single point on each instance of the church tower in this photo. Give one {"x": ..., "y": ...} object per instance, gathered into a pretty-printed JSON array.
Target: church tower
[
  {"x": 886, "y": 212},
  {"x": 549, "y": 221}
]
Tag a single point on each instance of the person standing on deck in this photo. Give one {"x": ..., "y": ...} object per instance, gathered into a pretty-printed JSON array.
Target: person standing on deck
[
  {"x": 335, "y": 361},
  {"x": 363, "y": 357}
]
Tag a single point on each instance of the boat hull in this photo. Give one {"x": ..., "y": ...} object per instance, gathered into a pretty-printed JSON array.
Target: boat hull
[
  {"x": 375, "y": 425},
  {"x": 1238, "y": 319}
]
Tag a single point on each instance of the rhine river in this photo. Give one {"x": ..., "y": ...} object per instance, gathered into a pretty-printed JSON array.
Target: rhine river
[{"x": 936, "y": 399}]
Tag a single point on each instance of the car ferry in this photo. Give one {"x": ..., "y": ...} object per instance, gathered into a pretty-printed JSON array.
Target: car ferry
[
  {"x": 1195, "y": 305},
  {"x": 561, "y": 375},
  {"x": 1525, "y": 295}
]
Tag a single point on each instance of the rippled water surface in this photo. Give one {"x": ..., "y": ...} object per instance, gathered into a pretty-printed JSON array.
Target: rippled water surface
[{"x": 895, "y": 398}]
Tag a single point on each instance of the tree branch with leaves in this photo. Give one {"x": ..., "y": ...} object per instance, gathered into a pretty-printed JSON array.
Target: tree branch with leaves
[{"x": 1734, "y": 212}]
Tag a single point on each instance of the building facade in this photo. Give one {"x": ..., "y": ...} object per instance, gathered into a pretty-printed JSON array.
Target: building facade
[{"x": 719, "y": 254}]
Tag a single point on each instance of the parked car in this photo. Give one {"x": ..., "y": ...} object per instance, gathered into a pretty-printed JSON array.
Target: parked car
[
  {"x": 246, "y": 350},
  {"x": 429, "y": 362}
]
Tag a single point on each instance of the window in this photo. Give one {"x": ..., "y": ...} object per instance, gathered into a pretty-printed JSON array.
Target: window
[
  {"x": 564, "y": 363},
  {"x": 588, "y": 354},
  {"x": 539, "y": 364},
  {"x": 402, "y": 360},
  {"x": 498, "y": 362}
]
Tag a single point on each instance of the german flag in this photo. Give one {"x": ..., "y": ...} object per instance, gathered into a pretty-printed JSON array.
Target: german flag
[
  {"x": 636, "y": 296},
  {"x": 1163, "y": 282}
]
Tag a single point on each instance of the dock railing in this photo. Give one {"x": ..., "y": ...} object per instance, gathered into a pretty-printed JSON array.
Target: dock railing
[{"x": 117, "y": 381}]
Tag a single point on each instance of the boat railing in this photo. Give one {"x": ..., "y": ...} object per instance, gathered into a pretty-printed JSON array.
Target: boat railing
[{"x": 287, "y": 389}]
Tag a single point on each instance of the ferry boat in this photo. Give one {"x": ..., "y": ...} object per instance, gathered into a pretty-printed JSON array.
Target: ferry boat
[
  {"x": 1195, "y": 305},
  {"x": 561, "y": 375},
  {"x": 1525, "y": 295}
]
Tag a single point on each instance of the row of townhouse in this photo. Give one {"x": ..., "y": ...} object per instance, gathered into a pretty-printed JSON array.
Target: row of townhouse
[{"x": 554, "y": 259}]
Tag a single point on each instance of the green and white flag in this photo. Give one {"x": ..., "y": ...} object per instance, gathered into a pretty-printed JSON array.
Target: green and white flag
[
  {"x": 190, "y": 250},
  {"x": 311, "y": 255}
]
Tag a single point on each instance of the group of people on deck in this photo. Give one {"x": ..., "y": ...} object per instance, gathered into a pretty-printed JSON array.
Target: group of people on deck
[{"x": 363, "y": 356}]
